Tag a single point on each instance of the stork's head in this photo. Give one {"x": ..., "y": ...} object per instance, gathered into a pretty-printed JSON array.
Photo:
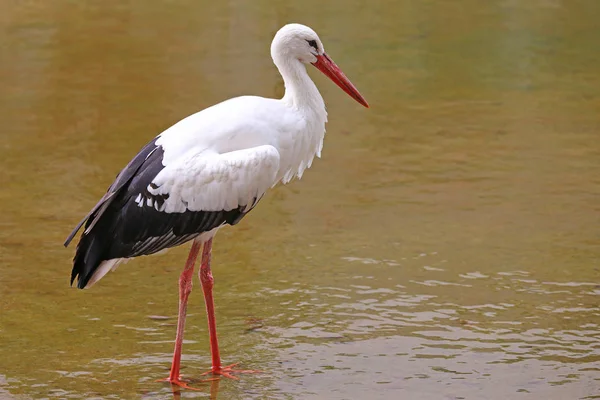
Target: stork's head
[{"x": 299, "y": 42}]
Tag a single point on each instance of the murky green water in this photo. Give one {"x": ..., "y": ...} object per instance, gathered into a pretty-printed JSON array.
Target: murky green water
[{"x": 446, "y": 247}]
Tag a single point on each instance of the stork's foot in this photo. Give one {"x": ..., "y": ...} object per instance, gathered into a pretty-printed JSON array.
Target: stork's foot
[
  {"x": 178, "y": 382},
  {"x": 228, "y": 371}
]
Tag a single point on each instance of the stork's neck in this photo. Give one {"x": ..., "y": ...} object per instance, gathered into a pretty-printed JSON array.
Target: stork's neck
[
  {"x": 301, "y": 94},
  {"x": 300, "y": 90}
]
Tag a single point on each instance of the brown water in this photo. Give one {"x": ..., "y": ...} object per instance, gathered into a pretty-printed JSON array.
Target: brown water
[{"x": 446, "y": 247}]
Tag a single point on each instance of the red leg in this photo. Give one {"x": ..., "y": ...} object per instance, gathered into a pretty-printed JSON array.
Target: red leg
[
  {"x": 207, "y": 281},
  {"x": 206, "y": 278},
  {"x": 185, "y": 287}
]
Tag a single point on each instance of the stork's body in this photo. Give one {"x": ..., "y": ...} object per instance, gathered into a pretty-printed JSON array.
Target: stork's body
[{"x": 208, "y": 170}]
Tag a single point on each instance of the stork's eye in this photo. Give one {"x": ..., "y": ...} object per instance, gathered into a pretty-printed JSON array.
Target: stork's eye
[{"x": 313, "y": 44}]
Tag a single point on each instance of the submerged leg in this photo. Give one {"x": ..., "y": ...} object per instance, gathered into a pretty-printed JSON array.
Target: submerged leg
[
  {"x": 185, "y": 287},
  {"x": 207, "y": 281}
]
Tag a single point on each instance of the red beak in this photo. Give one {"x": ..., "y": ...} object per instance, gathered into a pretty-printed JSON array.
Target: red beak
[{"x": 333, "y": 72}]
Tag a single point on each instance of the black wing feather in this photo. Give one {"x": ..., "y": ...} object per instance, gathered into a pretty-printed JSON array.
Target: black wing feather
[
  {"x": 123, "y": 178},
  {"x": 121, "y": 228}
]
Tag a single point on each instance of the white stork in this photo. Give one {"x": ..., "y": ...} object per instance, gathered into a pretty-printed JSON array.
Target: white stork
[{"x": 208, "y": 170}]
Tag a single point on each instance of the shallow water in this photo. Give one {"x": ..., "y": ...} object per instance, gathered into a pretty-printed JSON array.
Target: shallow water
[{"x": 447, "y": 246}]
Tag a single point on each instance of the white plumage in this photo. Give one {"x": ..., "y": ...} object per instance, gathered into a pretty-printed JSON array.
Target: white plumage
[
  {"x": 227, "y": 181},
  {"x": 237, "y": 157}
]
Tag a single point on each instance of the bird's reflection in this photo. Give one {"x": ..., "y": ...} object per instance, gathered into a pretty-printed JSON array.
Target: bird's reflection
[{"x": 214, "y": 390}]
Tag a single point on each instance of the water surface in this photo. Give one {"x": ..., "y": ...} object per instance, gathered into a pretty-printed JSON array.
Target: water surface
[{"x": 447, "y": 245}]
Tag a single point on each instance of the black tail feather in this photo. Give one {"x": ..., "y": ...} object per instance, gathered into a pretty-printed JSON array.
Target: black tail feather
[
  {"x": 92, "y": 249},
  {"x": 87, "y": 259}
]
